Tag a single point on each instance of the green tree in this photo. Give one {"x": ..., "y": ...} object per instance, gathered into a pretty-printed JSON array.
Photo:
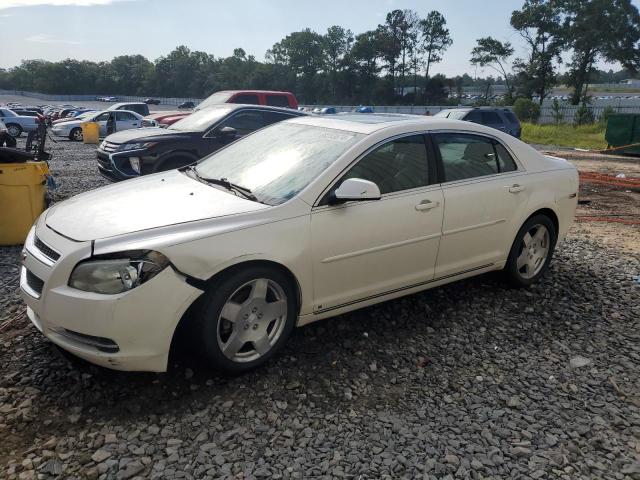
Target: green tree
[
  {"x": 493, "y": 53},
  {"x": 364, "y": 56},
  {"x": 526, "y": 110},
  {"x": 596, "y": 30},
  {"x": 337, "y": 43},
  {"x": 434, "y": 38},
  {"x": 539, "y": 23}
]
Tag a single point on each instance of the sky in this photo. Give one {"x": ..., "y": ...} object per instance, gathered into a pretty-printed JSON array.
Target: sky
[{"x": 101, "y": 29}]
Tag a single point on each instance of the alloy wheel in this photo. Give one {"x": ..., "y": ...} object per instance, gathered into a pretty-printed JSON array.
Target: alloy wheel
[
  {"x": 14, "y": 131},
  {"x": 77, "y": 135},
  {"x": 534, "y": 250},
  {"x": 252, "y": 320}
]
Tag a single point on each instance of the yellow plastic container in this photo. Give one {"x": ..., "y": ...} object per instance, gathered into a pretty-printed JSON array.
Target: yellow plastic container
[
  {"x": 22, "y": 190},
  {"x": 90, "y": 132}
]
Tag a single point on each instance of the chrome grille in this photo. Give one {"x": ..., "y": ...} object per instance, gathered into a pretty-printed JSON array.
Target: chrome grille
[
  {"x": 109, "y": 147},
  {"x": 46, "y": 250},
  {"x": 35, "y": 283}
]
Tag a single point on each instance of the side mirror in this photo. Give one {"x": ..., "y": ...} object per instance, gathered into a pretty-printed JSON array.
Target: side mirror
[
  {"x": 357, "y": 189},
  {"x": 227, "y": 132}
]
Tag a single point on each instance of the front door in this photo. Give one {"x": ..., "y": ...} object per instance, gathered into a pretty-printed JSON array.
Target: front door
[
  {"x": 484, "y": 194},
  {"x": 370, "y": 248}
]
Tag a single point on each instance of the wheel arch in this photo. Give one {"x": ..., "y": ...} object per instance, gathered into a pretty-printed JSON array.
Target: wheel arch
[
  {"x": 182, "y": 328},
  {"x": 548, "y": 212}
]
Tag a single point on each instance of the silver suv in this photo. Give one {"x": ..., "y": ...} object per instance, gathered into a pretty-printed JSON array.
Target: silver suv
[{"x": 498, "y": 118}]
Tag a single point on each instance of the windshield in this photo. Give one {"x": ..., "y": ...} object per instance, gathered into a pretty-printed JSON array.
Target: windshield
[
  {"x": 277, "y": 162},
  {"x": 215, "y": 99},
  {"x": 201, "y": 120}
]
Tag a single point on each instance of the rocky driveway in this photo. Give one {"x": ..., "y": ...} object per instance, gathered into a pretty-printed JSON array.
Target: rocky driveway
[{"x": 471, "y": 380}]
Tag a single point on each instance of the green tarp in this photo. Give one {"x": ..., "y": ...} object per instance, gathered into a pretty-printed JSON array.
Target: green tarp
[{"x": 623, "y": 130}]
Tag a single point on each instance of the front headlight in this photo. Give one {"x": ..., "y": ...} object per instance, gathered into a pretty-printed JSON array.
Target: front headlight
[
  {"x": 117, "y": 273},
  {"x": 135, "y": 146},
  {"x": 135, "y": 164}
]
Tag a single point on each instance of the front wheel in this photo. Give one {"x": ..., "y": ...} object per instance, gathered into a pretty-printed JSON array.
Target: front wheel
[
  {"x": 76, "y": 135},
  {"x": 245, "y": 319},
  {"x": 14, "y": 130},
  {"x": 531, "y": 252}
]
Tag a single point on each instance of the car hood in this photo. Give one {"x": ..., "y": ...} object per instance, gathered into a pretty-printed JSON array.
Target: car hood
[
  {"x": 159, "y": 200},
  {"x": 148, "y": 133}
]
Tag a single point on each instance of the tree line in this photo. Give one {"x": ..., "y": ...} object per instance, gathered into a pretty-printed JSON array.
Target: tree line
[{"x": 391, "y": 64}]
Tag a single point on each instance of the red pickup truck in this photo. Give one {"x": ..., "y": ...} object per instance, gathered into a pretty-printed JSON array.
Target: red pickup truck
[{"x": 250, "y": 97}]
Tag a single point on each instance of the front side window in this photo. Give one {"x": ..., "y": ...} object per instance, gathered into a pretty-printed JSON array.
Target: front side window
[
  {"x": 244, "y": 122},
  {"x": 103, "y": 117},
  {"x": 279, "y": 161},
  {"x": 395, "y": 166},
  {"x": 468, "y": 156}
]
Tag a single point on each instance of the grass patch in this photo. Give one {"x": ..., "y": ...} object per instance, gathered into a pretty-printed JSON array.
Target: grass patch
[{"x": 564, "y": 135}]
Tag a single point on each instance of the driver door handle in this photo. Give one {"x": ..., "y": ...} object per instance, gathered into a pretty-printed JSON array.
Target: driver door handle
[
  {"x": 426, "y": 205},
  {"x": 515, "y": 188}
]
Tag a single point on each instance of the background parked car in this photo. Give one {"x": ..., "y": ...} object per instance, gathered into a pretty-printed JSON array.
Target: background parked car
[
  {"x": 152, "y": 101},
  {"x": 129, "y": 154},
  {"x": 138, "y": 107},
  {"x": 499, "y": 118},
  {"x": 251, "y": 97},
  {"x": 16, "y": 124},
  {"x": 125, "y": 120},
  {"x": 186, "y": 105},
  {"x": 156, "y": 119}
]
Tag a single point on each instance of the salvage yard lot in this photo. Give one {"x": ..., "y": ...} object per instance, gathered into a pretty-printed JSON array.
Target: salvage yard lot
[{"x": 470, "y": 379}]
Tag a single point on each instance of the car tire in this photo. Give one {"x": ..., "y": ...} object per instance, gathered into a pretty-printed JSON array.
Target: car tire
[
  {"x": 14, "y": 130},
  {"x": 531, "y": 252},
  {"x": 246, "y": 318},
  {"x": 76, "y": 135}
]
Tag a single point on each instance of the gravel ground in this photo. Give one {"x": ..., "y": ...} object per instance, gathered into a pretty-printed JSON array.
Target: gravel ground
[{"x": 470, "y": 380}]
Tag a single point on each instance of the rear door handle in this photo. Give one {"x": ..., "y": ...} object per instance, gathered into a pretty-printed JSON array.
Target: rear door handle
[
  {"x": 426, "y": 205},
  {"x": 515, "y": 188}
]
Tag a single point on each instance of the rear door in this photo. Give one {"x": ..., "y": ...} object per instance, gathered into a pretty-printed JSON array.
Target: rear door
[
  {"x": 275, "y": 100},
  {"x": 485, "y": 194},
  {"x": 245, "y": 98},
  {"x": 126, "y": 120},
  {"x": 492, "y": 119}
]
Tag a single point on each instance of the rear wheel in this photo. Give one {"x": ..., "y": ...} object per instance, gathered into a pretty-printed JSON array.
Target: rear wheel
[
  {"x": 532, "y": 251},
  {"x": 246, "y": 318},
  {"x": 76, "y": 135},
  {"x": 14, "y": 130}
]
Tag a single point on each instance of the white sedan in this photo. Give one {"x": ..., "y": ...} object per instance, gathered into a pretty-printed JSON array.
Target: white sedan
[
  {"x": 299, "y": 221},
  {"x": 72, "y": 129}
]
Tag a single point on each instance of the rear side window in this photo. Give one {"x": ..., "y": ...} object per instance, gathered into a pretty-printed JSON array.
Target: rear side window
[
  {"x": 246, "y": 98},
  {"x": 505, "y": 161},
  {"x": 490, "y": 118},
  {"x": 467, "y": 156},
  {"x": 124, "y": 116},
  {"x": 277, "y": 100},
  {"x": 510, "y": 116}
]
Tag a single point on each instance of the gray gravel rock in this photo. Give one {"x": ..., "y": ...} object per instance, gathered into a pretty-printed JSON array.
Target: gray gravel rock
[{"x": 470, "y": 380}]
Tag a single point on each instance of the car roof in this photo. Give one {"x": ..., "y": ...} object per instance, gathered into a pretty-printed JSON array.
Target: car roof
[
  {"x": 238, "y": 106},
  {"x": 255, "y": 91},
  {"x": 368, "y": 123}
]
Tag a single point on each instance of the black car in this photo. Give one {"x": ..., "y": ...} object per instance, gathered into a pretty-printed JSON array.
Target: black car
[
  {"x": 141, "y": 151},
  {"x": 498, "y": 118},
  {"x": 186, "y": 105},
  {"x": 152, "y": 101}
]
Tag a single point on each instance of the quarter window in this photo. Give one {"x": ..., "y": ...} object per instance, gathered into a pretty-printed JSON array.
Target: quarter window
[
  {"x": 469, "y": 156},
  {"x": 274, "y": 117},
  {"x": 398, "y": 165},
  {"x": 490, "y": 118}
]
